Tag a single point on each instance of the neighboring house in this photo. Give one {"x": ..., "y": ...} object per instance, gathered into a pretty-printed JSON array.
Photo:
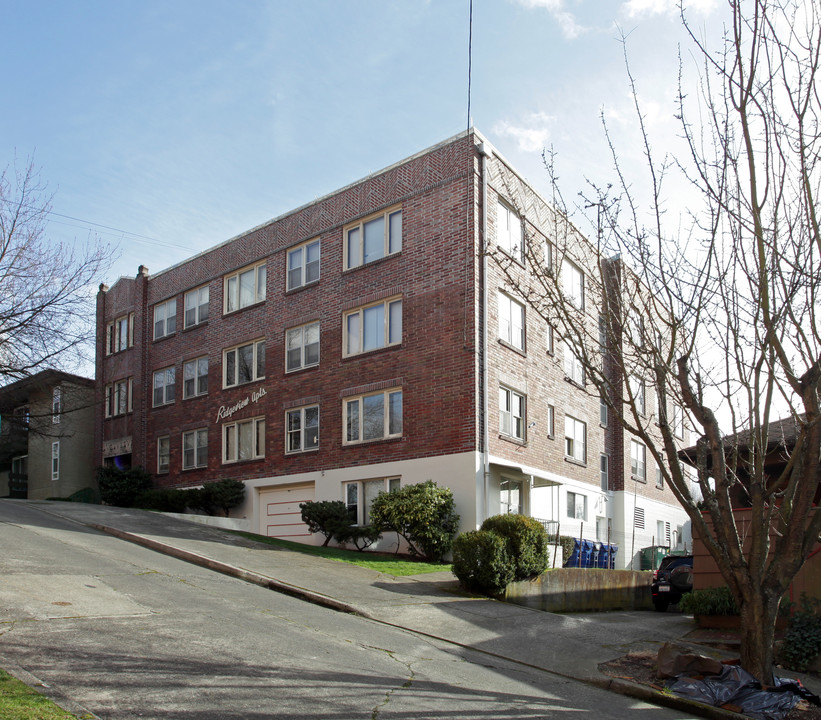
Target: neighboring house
[
  {"x": 339, "y": 350},
  {"x": 46, "y": 435},
  {"x": 781, "y": 439}
]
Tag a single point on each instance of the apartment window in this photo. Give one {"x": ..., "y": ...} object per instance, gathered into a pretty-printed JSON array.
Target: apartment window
[
  {"x": 165, "y": 318},
  {"x": 678, "y": 421},
  {"x": 360, "y": 494},
  {"x": 373, "y": 239},
  {"x": 373, "y": 327},
  {"x": 604, "y": 471},
  {"x": 659, "y": 477},
  {"x": 118, "y": 398},
  {"x": 548, "y": 255},
  {"x": 243, "y": 440},
  {"x": 302, "y": 429},
  {"x": 120, "y": 334},
  {"x": 551, "y": 421},
  {"x": 302, "y": 347},
  {"x": 638, "y": 393},
  {"x": 195, "y": 377},
  {"x": 244, "y": 363},
  {"x": 163, "y": 454},
  {"x": 662, "y": 533},
  {"x": 602, "y": 412},
  {"x": 573, "y": 367},
  {"x": 510, "y": 497},
  {"x": 196, "y": 306},
  {"x": 55, "y": 460},
  {"x": 577, "y": 506},
  {"x": 575, "y": 439},
  {"x": 511, "y": 321},
  {"x": 373, "y": 417},
  {"x": 638, "y": 461},
  {"x": 511, "y": 413},
  {"x": 195, "y": 449},
  {"x": 509, "y": 235},
  {"x": 303, "y": 265},
  {"x": 573, "y": 283},
  {"x": 602, "y": 333},
  {"x": 245, "y": 287},
  {"x": 164, "y": 386},
  {"x": 550, "y": 344},
  {"x": 56, "y": 405}
]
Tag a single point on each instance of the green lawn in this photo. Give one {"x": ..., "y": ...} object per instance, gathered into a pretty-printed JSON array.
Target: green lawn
[
  {"x": 20, "y": 702},
  {"x": 388, "y": 564}
]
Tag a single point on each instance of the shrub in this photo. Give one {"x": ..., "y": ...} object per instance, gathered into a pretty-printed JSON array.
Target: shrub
[
  {"x": 526, "y": 543},
  {"x": 709, "y": 601},
  {"x": 163, "y": 500},
  {"x": 121, "y": 487},
  {"x": 360, "y": 536},
  {"x": 481, "y": 561},
  {"x": 802, "y": 641},
  {"x": 224, "y": 495},
  {"x": 423, "y": 514},
  {"x": 329, "y": 517}
]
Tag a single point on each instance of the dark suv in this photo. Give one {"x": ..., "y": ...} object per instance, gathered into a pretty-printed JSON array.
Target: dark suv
[{"x": 673, "y": 579}]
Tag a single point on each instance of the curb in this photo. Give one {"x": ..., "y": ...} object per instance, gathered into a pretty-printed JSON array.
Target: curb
[
  {"x": 240, "y": 573},
  {"x": 51, "y": 692},
  {"x": 622, "y": 687}
]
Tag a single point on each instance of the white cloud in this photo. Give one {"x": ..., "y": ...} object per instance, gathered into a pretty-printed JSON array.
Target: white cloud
[
  {"x": 571, "y": 28},
  {"x": 635, "y": 8},
  {"x": 531, "y": 134}
]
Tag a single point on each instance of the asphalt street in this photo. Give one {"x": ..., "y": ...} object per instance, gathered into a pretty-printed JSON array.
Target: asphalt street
[{"x": 125, "y": 632}]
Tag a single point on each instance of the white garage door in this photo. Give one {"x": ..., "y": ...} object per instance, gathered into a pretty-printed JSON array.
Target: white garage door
[{"x": 280, "y": 516}]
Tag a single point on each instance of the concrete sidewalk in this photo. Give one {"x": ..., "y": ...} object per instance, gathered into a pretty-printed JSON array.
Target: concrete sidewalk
[{"x": 570, "y": 646}]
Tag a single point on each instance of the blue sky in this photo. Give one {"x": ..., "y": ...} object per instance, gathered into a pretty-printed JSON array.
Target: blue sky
[{"x": 165, "y": 128}]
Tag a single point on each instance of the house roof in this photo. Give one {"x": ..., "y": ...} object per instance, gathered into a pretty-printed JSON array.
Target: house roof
[{"x": 18, "y": 392}]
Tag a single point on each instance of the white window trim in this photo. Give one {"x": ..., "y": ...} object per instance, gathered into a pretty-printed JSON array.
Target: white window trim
[
  {"x": 232, "y": 428},
  {"x": 303, "y": 264},
  {"x": 259, "y": 293},
  {"x": 393, "y": 482},
  {"x": 165, "y": 386},
  {"x": 112, "y": 395},
  {"x": 638, "y": 461},
  {"x": 114, "y": 336},
  {"x": 168, "y": 309},
  {"x": 388, "y": 327},
  {"x": 197, "y": 377},
  {"x": 510, "y": 225},
  {"x": 508, "y": 411},
  {"x": 302, "y": 430},
  {"x": 56, "y": 405},
  {"x": 386, "y": 408},
  {"x": 359, "y": 228},
  {"x": 198, "y": 320},
  {"x": 574, "y": 424},
  {"x": 604, "y": 471},
  {"x": 510, "y": 332},
  {"x": 198, "y": 461},
  {"x": 55, "y": 460},
  {"x": 573, "y": 366},
  {"x": 255, "y": 344},
  {"x": 575, "y": 497},
  {"x": 160, "y": 469},
  {"x": 302, "y": 362},
  {"x": 573, "y": 283}
]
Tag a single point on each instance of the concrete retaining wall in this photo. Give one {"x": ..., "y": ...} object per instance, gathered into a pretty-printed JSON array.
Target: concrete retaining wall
[
  {"x": 584, "y": 590},
  {"x": 226, "y": 523}
]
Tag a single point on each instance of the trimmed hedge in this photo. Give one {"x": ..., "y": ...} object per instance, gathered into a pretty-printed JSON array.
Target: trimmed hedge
[
  {"x": 481, "y": 561},
  {"x": 526, "y": 541}
]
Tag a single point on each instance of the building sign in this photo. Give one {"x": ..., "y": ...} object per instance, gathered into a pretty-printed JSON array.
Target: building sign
[
  {"x": 226, "y": 411},
  {"x": 121, "y": 446}
]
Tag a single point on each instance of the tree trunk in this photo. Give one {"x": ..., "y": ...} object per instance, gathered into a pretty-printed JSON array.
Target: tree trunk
[{"x": 758, "y": 616}]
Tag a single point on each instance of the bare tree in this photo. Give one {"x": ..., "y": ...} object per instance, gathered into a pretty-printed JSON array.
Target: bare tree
[
  {"x": 46, "y": 287},
  {"x": 716, "y": 313}
]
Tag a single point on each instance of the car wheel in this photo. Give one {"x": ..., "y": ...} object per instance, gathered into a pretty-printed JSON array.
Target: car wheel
[
  {"x": 682, "y": 578},
  {"x": 661, "y": 605}
]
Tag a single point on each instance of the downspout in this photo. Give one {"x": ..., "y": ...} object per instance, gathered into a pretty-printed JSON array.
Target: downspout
[{"x": 485, "y": 152}]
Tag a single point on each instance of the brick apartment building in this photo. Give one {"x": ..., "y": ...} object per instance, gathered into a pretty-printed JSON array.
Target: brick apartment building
[{"x": 338, "y": 351}]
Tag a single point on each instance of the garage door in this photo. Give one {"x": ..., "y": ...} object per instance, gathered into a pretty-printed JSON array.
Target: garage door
[{"x": 280, "y": 516}]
